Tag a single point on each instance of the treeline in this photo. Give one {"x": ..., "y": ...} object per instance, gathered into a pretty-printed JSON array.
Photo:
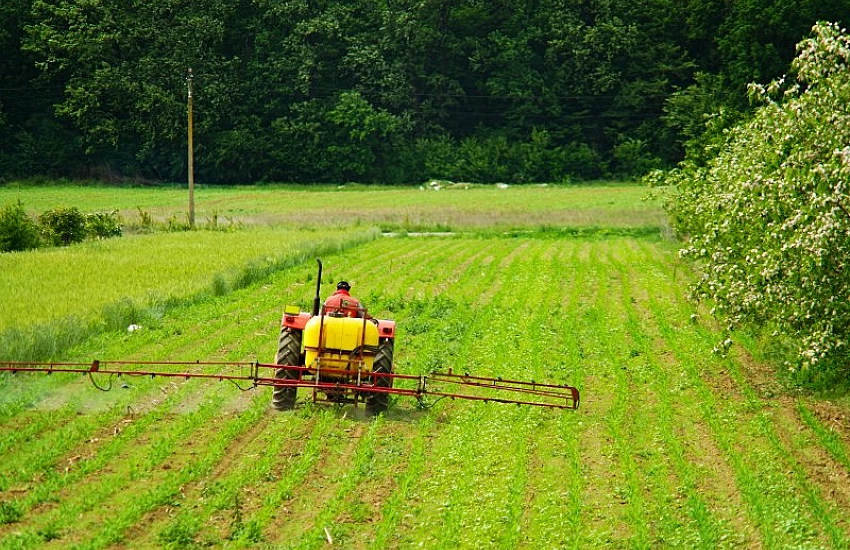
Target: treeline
[{"x": 380, "y": 90}]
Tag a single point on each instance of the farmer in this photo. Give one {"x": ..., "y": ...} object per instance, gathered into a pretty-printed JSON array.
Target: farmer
[{"x": 343, "y": 302}]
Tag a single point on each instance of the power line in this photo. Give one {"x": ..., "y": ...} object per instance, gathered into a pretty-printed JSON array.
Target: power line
[
  {"x": 33, "y": 88},
  {"x": 55, "y": 91},
  {"x": 332, "y": 91}
]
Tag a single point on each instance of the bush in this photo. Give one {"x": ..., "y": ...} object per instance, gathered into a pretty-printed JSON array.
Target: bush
[
  {"x": 581, "y": 160},
  {"x": 103, "y": 225},
  {"x": 145, "y": 221},
  {"x": 439, "y": 156},
  {"x": 484, "y": 159},
  {"x": 63, "y": 226},
  {"x": 494, "y": 157},
  {"x": 58, "y": 227},
  {"x": 17, "y": 230}
]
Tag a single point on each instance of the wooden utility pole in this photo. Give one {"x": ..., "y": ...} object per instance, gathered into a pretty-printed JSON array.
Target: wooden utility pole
[{"x": 191, "y": 160}]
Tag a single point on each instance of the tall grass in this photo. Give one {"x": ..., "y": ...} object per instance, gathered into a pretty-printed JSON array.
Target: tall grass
[{"x": 137, "y": 281}]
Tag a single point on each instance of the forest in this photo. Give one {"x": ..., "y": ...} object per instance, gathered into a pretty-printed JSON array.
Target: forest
[{"x": 382, "y": 91}]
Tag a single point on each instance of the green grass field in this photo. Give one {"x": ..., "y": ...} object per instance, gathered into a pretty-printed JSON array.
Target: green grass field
[
  {"x": 395, "y": 208},
  {"x": 673, "y": 447}
]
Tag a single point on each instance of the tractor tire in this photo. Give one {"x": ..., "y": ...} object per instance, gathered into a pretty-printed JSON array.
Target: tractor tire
[
  {"x": 288, "y": 353},
  {"x": 377, "y": 403}
]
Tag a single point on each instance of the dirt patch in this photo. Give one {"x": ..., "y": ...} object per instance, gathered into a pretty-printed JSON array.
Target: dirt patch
[
  {"x": 806, "y": 457},
  {"x": 834, "y": 417},
  {"x": 460, "y": 272},
  {"x": 193, "y": 495},
  {"x": 602, "y": 510},
  {"x": 550, "y": 460},
  {"x": 703, "y": 468},
  {"x": 761, "y": 377},
  {"x": 364, "y": 508},
  {"x": 716, "y": 482},
  {"x": 504, "y": 264}
]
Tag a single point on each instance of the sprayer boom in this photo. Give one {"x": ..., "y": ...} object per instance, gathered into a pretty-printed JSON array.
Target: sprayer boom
[{"x": 329, "y": 381}]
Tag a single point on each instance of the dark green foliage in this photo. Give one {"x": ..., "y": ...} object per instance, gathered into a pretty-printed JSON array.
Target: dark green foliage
[
  {"x": 17, "y": 230},
  {"x": 63, "y": 226},
  {"x": 494, "y": 158},
  {"x": 368, "y": 91},
  {"x": 632, "y": 158}
]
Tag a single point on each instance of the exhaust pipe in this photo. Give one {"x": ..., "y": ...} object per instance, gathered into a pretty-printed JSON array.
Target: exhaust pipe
[{"x": 317, "y": 301}]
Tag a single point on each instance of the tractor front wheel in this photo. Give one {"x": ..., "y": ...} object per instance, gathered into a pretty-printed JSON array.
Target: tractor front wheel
[
  {"x": 288, "y": 353},
  {"x": 378, "y": 402}
]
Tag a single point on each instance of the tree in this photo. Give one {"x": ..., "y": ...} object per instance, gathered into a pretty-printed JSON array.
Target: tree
[
  {"x": 101, "y": 84},
  {"x": 768, "y": 219},
  {"x": 123, "y": 71}
]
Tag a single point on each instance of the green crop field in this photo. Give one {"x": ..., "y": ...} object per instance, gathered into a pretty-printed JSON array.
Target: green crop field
[{"x": 672, "y": 447}]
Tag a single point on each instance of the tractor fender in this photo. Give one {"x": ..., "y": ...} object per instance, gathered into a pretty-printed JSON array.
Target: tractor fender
[
  {"x": 386, "y": 329},
  {"x": 295, "y": 321}
]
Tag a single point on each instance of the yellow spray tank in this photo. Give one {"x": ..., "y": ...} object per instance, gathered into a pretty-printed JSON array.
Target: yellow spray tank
[{"x": 340, "y": 343}]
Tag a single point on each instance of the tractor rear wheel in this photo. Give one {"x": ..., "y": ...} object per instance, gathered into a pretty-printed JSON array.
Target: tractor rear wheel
[
  {"x": 377, "y": 403},
  {"x": 288, "y": 353}
]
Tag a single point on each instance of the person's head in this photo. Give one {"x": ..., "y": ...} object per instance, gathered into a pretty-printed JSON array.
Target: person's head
[{"x": 343, "y": 285}]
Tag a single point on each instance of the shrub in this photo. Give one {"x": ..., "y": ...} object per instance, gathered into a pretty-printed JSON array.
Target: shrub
[
  {"x": 484, "y": 159},
  {"x": 439, "y": 156},
  {"x": 493, "y": 157},
  {"x": 145, "y": 220},
  {"x": 175, "y": 224},
  {"x": 17, "y": 230},
  {"x": 632, "y": 158},
  {"x": 63, "y": 226},
  {"x": 103, "y": 225},
  {"x": 583, "y": 161}
]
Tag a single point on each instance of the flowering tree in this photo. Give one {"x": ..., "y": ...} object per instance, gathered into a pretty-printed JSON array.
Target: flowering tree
[{"x": 769, "y": 217}]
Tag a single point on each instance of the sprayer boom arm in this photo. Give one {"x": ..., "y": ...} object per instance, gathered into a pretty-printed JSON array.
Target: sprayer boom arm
[{"x": 435, "y": 384}]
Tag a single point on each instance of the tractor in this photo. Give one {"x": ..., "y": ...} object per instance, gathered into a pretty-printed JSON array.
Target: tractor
[{"x": 343, "y": 351}]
